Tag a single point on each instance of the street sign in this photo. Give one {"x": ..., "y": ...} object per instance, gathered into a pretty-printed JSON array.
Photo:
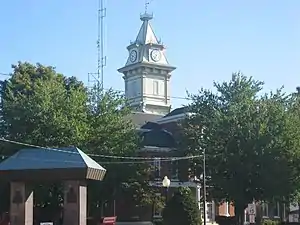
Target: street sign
[
  {"x": 252, "y": 219},
  {"x": 252, "y": 209}
]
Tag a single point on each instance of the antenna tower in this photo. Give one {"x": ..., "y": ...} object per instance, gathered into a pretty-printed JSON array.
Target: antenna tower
[{"x": 97, "y": 78}]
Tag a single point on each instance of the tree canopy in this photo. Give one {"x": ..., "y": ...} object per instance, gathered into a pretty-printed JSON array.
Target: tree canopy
[
  {"x": 247, "y": 138},
  {"x": 42, "y": 107},
  {"x": 182, "y": 209}
]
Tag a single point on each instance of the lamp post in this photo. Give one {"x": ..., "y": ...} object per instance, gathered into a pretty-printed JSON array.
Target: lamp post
[
  {"x": 166, "y": 184},
  {"x": 204, "y": 188},
  {"x": 204, "y": 178}
]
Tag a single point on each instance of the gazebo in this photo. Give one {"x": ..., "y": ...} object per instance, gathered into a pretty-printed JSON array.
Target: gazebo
[{"x": 70, "y": 165}]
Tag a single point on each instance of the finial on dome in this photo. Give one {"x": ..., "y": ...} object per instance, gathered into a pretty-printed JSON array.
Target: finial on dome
[{"x": 146, "y": 15}]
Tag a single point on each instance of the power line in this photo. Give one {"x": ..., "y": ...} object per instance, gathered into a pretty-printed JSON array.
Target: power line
[
  {"x": 4, "y": 74},
  {"x": 99, "y": 155},
  {"x": 106, "y": 89},
  {"x": 76, "y": 162}
]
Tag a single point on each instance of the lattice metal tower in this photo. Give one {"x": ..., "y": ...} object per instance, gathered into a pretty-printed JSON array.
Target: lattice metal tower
[{"x": 97, "y": 78}]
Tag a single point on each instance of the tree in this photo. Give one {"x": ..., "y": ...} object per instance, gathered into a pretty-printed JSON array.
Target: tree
[
  {"x": 182, "y": 209},
  {"x": 245, "y": 137},
  {"x": 42, "y": 107},
  {"x": 112, "y": 133}
]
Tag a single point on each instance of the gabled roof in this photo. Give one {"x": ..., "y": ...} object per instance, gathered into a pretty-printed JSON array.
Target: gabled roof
[
  {"x": 63, "y": 163},
  {"x": 158, "y": 138}
]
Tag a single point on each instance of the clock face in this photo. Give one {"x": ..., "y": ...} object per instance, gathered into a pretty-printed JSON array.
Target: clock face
[
  {"x": 133, "y": 56},
  {"x": 155, "y": 55}
]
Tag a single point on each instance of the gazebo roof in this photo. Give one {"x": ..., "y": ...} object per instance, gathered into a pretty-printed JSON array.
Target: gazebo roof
[{"x": 57, "y": 164}]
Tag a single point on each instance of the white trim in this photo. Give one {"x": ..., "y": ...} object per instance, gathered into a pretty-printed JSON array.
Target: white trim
[
  {"x": 198, "y": 196},
  {"x": 213, "y": 211},
  {"x": 227, "y": 208},
  {"x": 155, "y": 149},
  {"x": 265, "y": 209},
  {"x": 277, "y": 215},
  {"x": 284, "y": 213},
  {"x": 246, "y": 221},
  {"x": 174, "y": 118}
]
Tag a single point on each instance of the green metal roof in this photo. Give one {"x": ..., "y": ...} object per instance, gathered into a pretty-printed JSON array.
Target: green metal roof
[{"x": 61, "y": 159}]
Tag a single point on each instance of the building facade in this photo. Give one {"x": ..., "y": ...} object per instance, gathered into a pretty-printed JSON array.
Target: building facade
[{"x": 147, "y": 75}]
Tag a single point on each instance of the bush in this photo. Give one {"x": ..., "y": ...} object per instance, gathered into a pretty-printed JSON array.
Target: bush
[
  {"x": 271, "y": 222},
  {"x": 182, "y": 209}
]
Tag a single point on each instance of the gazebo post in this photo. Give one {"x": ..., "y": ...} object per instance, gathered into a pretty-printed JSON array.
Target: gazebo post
[
  {"x": 70, "y": 165},
  {"x": 21, "y": 204},
  {"x": 75, "y": 202}
]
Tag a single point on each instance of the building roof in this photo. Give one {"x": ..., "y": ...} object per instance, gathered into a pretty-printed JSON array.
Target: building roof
[
  {"x": 151, "y": 126},
  {"x": 158, "y": 138},
  {"x": 63, "y": 163},
  {"x": 164, "y": 131},
  {"x": 146, "y": 34},
  {"x": 144, "y": 40},
  {"x": 177, "y": 111},
  {"x": 141, "y": 118}
]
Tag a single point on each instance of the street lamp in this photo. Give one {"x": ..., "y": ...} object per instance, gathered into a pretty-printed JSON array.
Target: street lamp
[
  {"x": 204, "y": 177},
  {"x": 166, "y": 184},
  {"x": 204, "y": 188}
]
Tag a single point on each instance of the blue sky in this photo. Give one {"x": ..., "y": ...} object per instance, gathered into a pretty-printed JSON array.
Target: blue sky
[{"x": 205, "y": 40}]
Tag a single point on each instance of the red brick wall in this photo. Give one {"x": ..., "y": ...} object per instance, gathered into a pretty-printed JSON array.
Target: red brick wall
[{"x": 222, "y": 210}]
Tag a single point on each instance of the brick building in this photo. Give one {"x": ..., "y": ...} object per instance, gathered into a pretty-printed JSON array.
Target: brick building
[
  {"x": 160, "y": 141},
  {"x": 147, "y": 74}
]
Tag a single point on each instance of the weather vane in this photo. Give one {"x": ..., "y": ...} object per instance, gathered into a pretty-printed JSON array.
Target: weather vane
[{"x": 147, "y": 2}]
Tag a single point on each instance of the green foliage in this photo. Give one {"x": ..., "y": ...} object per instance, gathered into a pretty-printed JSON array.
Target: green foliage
[
  {"x": 182, "y": 209},
  {"x": 42, "y": 107},
  {"x": 247, "y": 140},
  {"x": 271, "y": 222}
]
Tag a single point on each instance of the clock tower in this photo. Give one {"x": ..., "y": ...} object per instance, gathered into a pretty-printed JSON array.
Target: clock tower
[{"x": 147, "y": 72}]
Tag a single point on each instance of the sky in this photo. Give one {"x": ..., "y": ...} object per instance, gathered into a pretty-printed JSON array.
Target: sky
[{"x": 206, "y": 40}]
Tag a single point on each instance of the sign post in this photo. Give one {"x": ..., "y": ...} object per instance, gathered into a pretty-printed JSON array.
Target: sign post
[{"x": 252, "y": 212}]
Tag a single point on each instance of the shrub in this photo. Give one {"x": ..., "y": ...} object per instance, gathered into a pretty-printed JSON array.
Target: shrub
[
  {"x": 182, "y": 209},
  {"x": 271, "y": 222}
]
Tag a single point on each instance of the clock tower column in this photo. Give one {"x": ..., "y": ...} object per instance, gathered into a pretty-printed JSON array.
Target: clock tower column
[{"x": 147, "y": 72}]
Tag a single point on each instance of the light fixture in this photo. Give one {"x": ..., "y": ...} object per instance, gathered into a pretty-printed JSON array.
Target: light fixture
[{"x": 166, "y": 182}]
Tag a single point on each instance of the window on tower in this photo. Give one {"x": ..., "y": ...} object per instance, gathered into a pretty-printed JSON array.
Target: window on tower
[
  {"x": 155, "y": 87},
  {"x": 134, "y": 88}
]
